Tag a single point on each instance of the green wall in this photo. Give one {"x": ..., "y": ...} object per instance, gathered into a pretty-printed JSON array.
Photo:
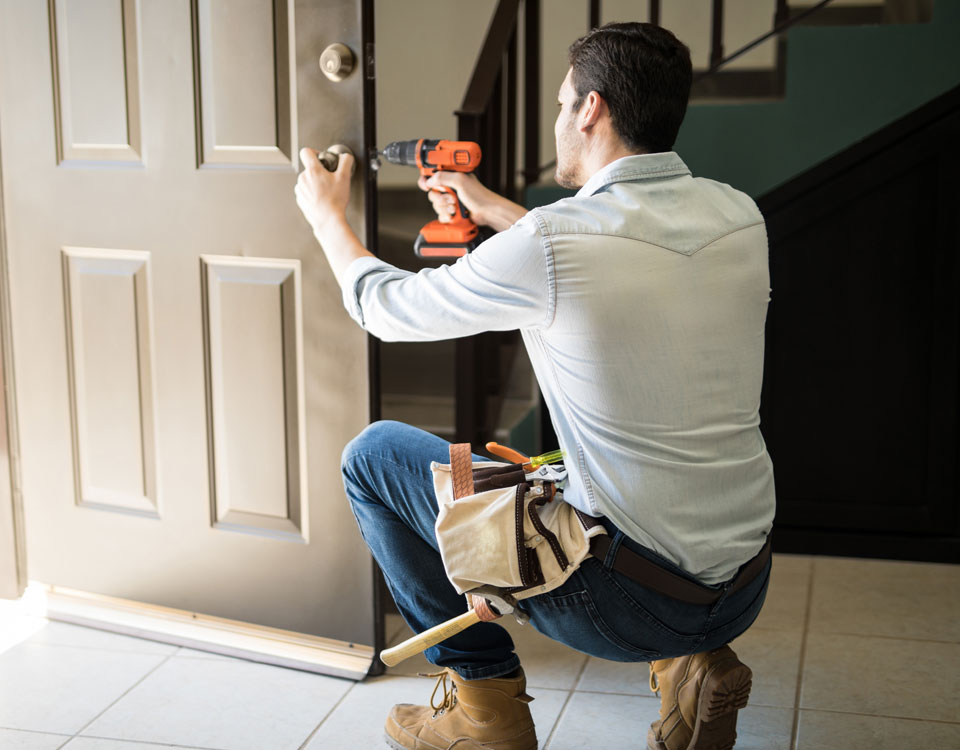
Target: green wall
[{"x": 843, "y": 83}]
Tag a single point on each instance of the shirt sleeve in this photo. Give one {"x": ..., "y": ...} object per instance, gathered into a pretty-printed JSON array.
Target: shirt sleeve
[{"x": 502, "y": 285}]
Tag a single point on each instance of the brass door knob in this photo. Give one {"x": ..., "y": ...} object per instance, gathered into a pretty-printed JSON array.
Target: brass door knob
[{"x": 337, "y": 61}]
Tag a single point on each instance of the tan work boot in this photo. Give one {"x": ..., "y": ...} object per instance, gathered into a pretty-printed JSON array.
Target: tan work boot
[
  {"x": 473, "y": 714},
  {"x": 699, "y": 699}
]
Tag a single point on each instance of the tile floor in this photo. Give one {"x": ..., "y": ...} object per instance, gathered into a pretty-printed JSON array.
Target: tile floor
[{"x": 848, "y": 654}]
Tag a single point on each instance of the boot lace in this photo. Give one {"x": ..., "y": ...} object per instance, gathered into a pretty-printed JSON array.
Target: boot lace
[
  {"x": 449, "y": 692},
  {"x": 654, "y": 683}
]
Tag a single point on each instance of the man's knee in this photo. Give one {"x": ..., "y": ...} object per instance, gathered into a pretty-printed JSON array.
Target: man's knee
[{"x": 372, "y": 441}]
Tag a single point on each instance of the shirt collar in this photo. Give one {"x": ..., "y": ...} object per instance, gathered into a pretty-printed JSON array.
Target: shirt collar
[{"x": 636, "y": 167}]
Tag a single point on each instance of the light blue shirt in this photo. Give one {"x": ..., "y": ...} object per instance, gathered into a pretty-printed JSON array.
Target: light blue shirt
[{"x": 641, "y": 301}]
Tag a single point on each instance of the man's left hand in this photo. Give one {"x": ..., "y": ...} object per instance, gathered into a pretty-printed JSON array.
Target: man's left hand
[{"x": 321, "y": 195}]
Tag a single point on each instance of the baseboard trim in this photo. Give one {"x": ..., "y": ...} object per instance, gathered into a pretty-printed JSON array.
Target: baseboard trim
[{"x": 243, "y": 640}]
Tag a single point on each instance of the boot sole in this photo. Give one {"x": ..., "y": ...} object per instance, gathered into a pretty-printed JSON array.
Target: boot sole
[{"x": 725, "y": 690}]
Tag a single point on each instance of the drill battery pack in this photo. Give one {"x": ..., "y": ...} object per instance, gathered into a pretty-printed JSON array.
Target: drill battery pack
[{"x": 438, "y": 240}]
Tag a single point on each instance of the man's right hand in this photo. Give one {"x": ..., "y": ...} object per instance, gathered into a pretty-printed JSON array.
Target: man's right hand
[{"x": 485, "y": 206}]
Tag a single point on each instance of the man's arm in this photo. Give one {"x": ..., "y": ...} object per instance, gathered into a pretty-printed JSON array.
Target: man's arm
[
  {"x": 323, "y": 197},
  {"x": 485, "y": 206}
]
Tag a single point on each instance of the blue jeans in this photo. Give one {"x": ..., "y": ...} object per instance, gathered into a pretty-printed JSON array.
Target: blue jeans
[{"x": 599, "y": 611}]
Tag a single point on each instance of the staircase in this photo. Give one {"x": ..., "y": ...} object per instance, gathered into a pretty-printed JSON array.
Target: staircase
[{"x": 754, "y": 127}]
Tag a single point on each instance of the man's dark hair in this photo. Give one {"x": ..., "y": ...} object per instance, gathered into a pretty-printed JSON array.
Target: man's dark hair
[{"x": 643, "y": 73}]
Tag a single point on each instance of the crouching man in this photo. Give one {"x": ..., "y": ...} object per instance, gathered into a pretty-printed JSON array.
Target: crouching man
[{"x": 641, "y": 302}]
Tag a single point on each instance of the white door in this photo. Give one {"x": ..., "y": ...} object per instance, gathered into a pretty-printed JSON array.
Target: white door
[{"x": 185, "y": 375}]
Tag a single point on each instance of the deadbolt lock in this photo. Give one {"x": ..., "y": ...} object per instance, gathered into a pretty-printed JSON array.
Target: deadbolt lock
[{"x": 337, "y": 61}]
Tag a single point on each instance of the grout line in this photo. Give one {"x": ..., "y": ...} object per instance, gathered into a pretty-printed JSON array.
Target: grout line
[
  {"x": 648, "y": 697},
  {"x": 888, "y": 637},
  {"x": 795, "y": 730},
  {"x": 37, "y": 731},
  {"x": 881, "y": 716},
  {"x": 121, "y": 697},
  {"x": 103, "y": 649},
  {"x": 329, "y": 713},
  {"x": 566, "y": 703},
  {"x": 151, "y": 743}
]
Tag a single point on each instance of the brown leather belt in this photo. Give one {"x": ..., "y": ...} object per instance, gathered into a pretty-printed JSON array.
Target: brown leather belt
[{"x": 648, "y": 573}]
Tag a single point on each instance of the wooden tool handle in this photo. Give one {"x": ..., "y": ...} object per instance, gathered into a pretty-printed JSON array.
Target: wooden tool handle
[{"x": 412, "y": 646}]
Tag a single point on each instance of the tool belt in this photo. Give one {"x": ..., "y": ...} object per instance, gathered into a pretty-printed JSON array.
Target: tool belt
[
  {"x": 649, "y": 574},
  {"x": 498, "y": 527}
]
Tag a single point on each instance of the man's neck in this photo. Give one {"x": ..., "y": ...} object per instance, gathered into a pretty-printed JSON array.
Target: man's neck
[{"x": 603, "y": 152}]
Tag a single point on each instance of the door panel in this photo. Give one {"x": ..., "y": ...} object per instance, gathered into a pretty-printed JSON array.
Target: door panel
[
  {"x": 186, "y": 374},
  {"x": 110, "y": 354},
  {"x": 96, "y": 81}
]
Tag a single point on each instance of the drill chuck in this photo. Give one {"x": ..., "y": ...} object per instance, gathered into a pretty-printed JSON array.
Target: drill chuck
[{"x": 404, "y": 153}]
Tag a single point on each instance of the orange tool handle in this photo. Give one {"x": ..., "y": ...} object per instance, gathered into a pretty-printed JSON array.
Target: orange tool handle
[{"x": 508, "y": 453}]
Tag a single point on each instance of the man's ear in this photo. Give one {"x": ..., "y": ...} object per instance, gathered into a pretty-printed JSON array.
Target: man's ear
[{"x": 590, "y": 111}]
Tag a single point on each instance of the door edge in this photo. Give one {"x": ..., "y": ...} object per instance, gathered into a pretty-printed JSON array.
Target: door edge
[{"x": 13, "y": 551}]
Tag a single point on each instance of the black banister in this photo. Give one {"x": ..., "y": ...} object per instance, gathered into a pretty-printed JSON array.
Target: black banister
[
  {"x": 593, "y": 15},
  {"x": 716, "y": 36},
  {"x": 488, "y": 116},
  {"x": 531, "y": 92},
  {"x": 485, "y": 72},
  {"x": 655, "y": 12},
  {"x": 785, "y": 22},
  {"x": 782, "y": 14}
]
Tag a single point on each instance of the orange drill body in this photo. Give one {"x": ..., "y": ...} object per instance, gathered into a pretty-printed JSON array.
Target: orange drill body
[{"x": 460, "y": 235}]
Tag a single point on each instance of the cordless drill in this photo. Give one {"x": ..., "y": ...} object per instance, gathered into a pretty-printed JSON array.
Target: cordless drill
[{"x": 460, "y": 235}]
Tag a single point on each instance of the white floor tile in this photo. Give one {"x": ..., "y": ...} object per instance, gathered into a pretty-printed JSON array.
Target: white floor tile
[
  {"x": 358, "y": 720},
  {"x": 886, "y": 597},
  {"x": 222, "y": 704},
  {"x": 853, "y": 732},
  {"x": 882, "y": 676},
  {"x": 626, "y": 678},
  {"x": 774, "y": 658},
  {"x": 785, "y": 607},
  {"x": 772, "y": 655},
  {"x": 192, "y": 653},
  {"x": 546, "y": 662},
  {"x": 16, "y": 628},
  {"x": 15, "y": 739},
  {"x": 760, "y": 728},
  {"x": 60, "y": 688},
  {"x": 98, "y": 743},
  {"x": 597, "y": 721},
  {"x": 546, "y": 708},
  {"x": 67, "y": 634}
]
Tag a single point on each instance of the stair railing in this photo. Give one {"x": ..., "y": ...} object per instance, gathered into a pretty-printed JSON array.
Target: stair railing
[{"x": 488, "y": 116}]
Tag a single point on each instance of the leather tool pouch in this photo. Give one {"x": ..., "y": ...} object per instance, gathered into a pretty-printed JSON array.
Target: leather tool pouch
[{"x": 496, "y": 528}]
